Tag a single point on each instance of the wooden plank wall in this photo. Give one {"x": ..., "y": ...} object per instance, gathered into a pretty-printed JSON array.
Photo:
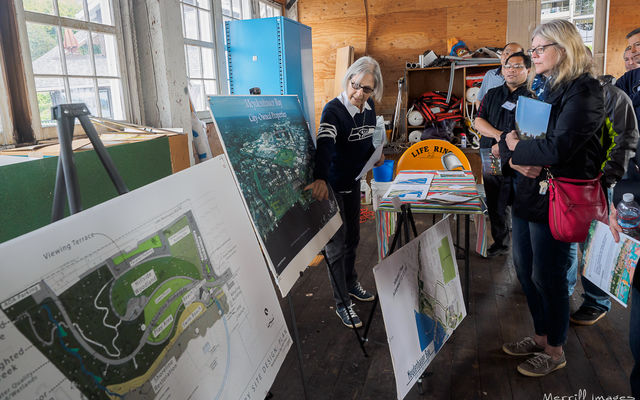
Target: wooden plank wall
[
  {"x": 398, "y": 32},
  {"x": 624, "y": 16}
]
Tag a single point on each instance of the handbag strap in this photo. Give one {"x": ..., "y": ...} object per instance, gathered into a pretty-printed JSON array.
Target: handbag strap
[{"x": 572, "y": 180}]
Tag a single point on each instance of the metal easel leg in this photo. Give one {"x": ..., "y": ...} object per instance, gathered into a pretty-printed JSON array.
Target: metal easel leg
[
  {"x": 66, "y": 175},
  {"x": 467, "y": 273},
  {"x": 104, "y": 156},
  {"x": 296, "y": 338},
  {"x": 66, "y": 165}
]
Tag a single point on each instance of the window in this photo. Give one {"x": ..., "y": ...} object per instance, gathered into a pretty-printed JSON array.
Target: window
[
  {"x": 267, "y": 9},
  {"x": 554, "y": 8},
  {"x": 75, "y": 57},
  {"x": 581, "y": 12},
  {"x": 235, "y": 9},
  {"x": 200, "y": 54},
  {"x": 203, "y": 31}
]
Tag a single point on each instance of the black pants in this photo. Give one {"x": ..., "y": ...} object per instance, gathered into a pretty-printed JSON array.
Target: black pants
[
  {"x": 341, "y": 249},
  {"x": 498, "y": 191}
]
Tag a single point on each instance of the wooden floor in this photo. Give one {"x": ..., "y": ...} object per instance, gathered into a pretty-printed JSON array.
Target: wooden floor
[{"x": 471, "y": 365}]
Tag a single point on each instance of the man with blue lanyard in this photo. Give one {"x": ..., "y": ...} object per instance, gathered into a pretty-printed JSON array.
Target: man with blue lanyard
[{"x": 495, "y": 116}]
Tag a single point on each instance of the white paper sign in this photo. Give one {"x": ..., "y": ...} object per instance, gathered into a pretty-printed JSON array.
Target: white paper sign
[
  {"x": 421, "y": 300},
  {"x": 195, "y": 318}
]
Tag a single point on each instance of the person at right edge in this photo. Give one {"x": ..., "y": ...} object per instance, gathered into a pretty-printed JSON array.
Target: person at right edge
[
  {"x": 630, "y": 84},
  {"x": 634, "y": 320},
  {"x": 619, "y": 139},
  {"x": 571, "y": 148}
]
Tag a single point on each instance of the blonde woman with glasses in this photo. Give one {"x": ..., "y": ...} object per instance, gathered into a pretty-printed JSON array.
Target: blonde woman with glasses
[{"x": 571, "y": 149}]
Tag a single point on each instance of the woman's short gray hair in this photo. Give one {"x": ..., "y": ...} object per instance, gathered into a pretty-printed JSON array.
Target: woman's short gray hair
[{"x": 365, "y": 65}]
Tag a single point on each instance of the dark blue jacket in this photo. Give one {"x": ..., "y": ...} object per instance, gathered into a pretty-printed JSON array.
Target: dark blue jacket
[{"x": 344, "y": 144}]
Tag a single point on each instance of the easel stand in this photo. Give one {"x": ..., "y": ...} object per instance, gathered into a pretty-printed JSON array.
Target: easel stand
[
  {"x": 296, "y": 339},
  {"x": 66, "y": 175},
  {"x": 402, "y": 237}
]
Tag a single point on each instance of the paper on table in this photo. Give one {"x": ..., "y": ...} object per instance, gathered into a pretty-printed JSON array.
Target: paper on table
[
  {"x": 408, "y": 192},
  {"x": 410, "y": 186},
  {"x": 377, "y": 153},
  {"x": 448, "y": 197},
  {"x": 451, "y": 173}
]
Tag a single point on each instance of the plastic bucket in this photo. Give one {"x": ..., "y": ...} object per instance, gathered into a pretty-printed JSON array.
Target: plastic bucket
[
  {"x": 378, "y": 189},
  {"x": 384, "y": 173}
]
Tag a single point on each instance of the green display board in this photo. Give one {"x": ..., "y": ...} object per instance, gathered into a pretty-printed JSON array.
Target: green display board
[{"x": 26, "y": 189}]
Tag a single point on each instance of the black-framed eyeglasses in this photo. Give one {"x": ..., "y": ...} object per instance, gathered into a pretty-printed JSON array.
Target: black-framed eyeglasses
[
  {"x": 513, "y": 66},
  {"x": 540, "y": 49},
  {"x": 365, "y": 89}
]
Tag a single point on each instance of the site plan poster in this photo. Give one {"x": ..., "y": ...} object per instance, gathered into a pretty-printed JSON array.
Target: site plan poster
[
  {"x": 610, "y": 265},
  {"x": 421, "y": 301},
  {"x": 156, "y": 294},
  {"x": 271, "y": 151}
]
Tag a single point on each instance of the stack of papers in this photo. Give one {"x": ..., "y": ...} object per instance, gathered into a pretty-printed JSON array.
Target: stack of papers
[
  {"x": 450, "y": 198},
  {"x": 410, "y": 186}
]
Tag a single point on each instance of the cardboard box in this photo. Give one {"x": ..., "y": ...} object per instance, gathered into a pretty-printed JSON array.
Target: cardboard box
[{"x": 178, "y": 146}]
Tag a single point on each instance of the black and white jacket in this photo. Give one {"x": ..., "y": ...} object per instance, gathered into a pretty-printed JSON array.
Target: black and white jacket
[{"x": 344, "y": 142}]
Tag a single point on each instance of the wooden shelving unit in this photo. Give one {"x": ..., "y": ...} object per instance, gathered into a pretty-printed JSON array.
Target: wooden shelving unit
[{"x": 420, "y": 80}]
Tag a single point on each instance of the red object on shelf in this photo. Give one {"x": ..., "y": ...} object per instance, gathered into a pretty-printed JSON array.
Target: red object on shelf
[{"x": 475, "y": 80}]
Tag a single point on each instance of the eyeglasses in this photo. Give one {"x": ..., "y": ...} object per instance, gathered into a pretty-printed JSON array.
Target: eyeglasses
[
  {"x": 540, "y": 49},
  {"x": 513, "y": 66},
  {"x": 366, "y": 89}
]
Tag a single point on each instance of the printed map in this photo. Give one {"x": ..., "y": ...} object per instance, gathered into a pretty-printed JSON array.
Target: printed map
[
  {"x": 271, "y": 151},
  {"x": 127, "y": 314},
  {"x": 150, "y": 305}
]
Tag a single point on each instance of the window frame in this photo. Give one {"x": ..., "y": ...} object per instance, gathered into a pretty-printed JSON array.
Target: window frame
[
  {"x": 600, "y": 17},
  {"x": 248, "y": 9},
  {"x": 23, "y": 16},
  {"x": 217, "y": 45},
  {"x": 268, "y": 3},
  {"x": 6, "y": 121}
]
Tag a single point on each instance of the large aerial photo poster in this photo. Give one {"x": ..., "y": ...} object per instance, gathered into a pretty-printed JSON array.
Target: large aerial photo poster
[
  {"x": 271, "y": 151},
  {"x": 157, "y": 294},
  {"x": 421, "y": 301}
]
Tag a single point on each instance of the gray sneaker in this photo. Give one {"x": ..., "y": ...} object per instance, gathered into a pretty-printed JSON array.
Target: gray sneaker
[
  {"x": 541, "y": 364},
  {"x": 522, "y": 347}
]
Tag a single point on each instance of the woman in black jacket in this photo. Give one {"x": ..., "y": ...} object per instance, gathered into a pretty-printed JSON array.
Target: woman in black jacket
[{"x": 571, "y": 149}]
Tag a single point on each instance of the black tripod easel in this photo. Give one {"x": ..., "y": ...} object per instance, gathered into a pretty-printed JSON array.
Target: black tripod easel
[
  {"x": 66, "y": 175},
  {"x": 401, "y": 237},
  {"x": 296, "y": 339}
]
